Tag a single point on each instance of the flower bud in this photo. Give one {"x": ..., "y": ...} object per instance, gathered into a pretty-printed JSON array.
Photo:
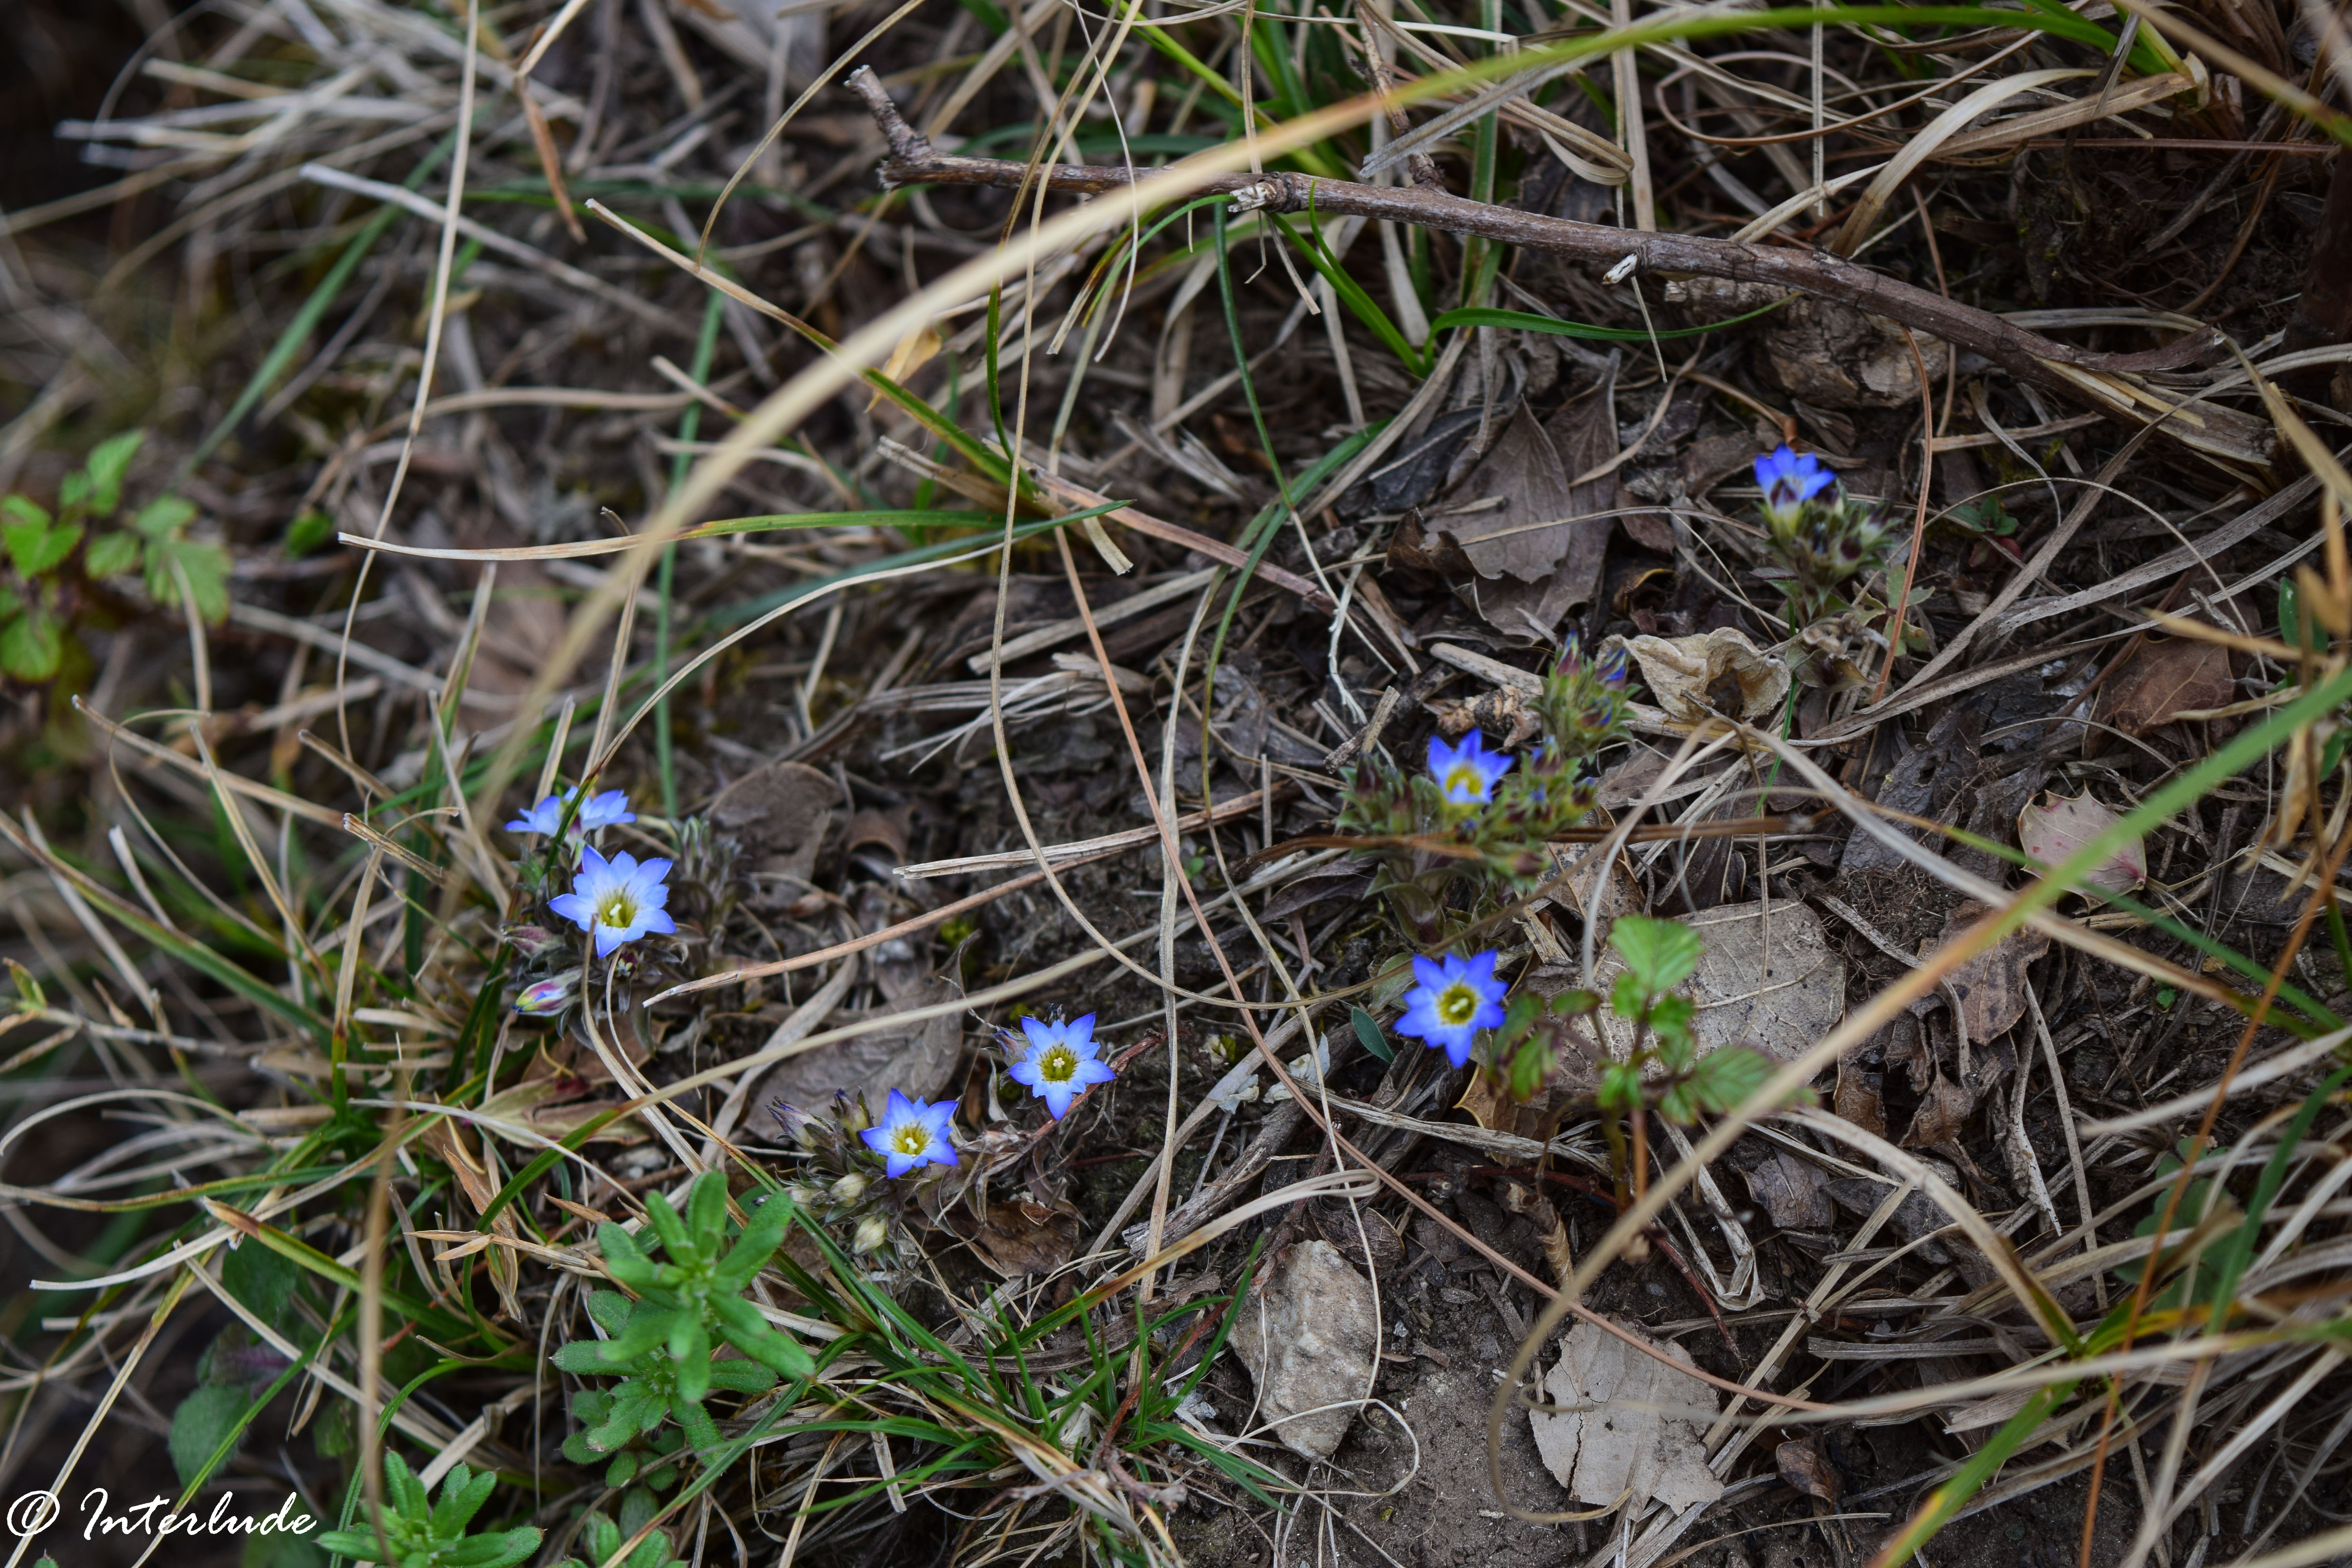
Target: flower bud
[
  {"x": 851, "y": 1188},
  {"x": 872, "y": 1232},
  {"x": 543, "y": 996}
]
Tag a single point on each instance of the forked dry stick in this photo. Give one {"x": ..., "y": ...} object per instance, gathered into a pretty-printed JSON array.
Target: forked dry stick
[{"x": 2026, "y": 354}]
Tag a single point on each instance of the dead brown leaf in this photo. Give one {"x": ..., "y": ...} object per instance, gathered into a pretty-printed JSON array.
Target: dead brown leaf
[
  {"x": 1792, "y": 1193},
  {"x": 1802, "y": 1465},
  {"x": 1025, "y": 1238},
  {"x": 779, "y": 814},
  {"x": 1541, "y": 548},
  {"x": 1766, "y": 978},
  {"x": 2163, "y": 680},
  {"x": 1943, "y": 1111},
  {"x": 1991, "y": 986},
  {"x": 2055, "y": 828}
]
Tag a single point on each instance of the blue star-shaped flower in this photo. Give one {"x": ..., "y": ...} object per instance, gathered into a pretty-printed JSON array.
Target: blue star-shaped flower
[
  {"x": 912, "y": 1133},
  {"x": 1455, "y": 999},
  {"x": 1061, "y": 1061},
  {"x": 1789, "y": 480},
  {"x": 1467, "y": 774},
  {"x": 599, "y": 811},
  {"x": 617, "y": 901}
]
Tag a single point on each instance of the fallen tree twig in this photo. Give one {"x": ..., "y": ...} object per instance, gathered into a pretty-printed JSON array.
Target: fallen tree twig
[{"x": 2079, "y": 374}]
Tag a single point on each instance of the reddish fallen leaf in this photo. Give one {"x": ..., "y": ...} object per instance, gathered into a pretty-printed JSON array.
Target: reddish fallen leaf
[{"x": 2055, "y": 828}]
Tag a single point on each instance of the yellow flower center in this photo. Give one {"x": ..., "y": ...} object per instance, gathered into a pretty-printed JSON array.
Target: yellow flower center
[
  {"x": 1456, "y": 1006},
  {"x": 618, "y": 912},
  {"x": 911, "y": 1139},
  {"x": 1464, "y": 779},
  {"x": 1058, "y": 1064}
]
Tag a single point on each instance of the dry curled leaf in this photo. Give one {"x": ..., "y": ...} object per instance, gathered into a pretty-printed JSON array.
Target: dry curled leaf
[
  {"x": 1716, "y": 672},
  {"x": 2162, "y": 680},
  {"x": 1802, "y": 1465},
  {"x": 1025, "y": 1238},
  {"x": 1630, "y": 1426},
  {"x": 2055, "y": 828},
  {"x": 1991, "y": 986}
]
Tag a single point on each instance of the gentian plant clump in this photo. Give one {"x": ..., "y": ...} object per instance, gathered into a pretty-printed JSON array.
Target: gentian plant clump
[
  {"x": 1456, "y": 841},
  {"x": 1475, "y": 822},
  {"x": 611, "y": 920},
  {"x": 1821, "y": 543}
]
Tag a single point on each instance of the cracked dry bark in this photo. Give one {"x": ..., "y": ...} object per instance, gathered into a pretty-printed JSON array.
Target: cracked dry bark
[{"x": 2095, "y": 380}]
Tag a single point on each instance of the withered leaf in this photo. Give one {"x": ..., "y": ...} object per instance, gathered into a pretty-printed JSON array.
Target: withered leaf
[
  {"x": 1767, "y": 979},
  {"x": 1694, "y": 676},
  {"x": 1544, "y": 535},
  {"x": 1646, "y": 1436},
  {"x": 1802, "y": 1465},
  {"x": 1991, "y": 986},
  {"x": 2055, "y": 828},
  {"x": 1943, "y": 1110},
  {"x": 1025, "y": 1238},
  {"x": 1792, "y": 1193},
  {"x": 2163, "y": 680}
]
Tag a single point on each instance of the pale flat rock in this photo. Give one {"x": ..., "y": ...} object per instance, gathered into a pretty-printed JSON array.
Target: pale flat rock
[
  {"x": 1312, "y": 1339},
  {"x": 1633, "y": 1425},
  {"x": 1767, "y": 979}
]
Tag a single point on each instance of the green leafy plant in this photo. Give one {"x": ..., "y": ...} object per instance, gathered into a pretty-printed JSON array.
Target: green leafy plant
[
  {"x": 60, "y": 565},
  {"x": 603, "y": 1537},
  {"x": 421, "y": 1533},
  {"x": 1658, "y": 955},
  {"x": 661, "y": 1344}
]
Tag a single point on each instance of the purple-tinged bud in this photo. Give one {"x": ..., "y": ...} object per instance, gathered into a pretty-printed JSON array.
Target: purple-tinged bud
[
  {"x": 528, "y": 940},
  {"x": 544, "y": 996},
  {"x": 796, "y": 1124},
  {"x": 1611, "y": 668}
]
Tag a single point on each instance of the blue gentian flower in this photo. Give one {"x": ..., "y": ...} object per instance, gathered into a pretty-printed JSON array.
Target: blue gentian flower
[
  {"x": 1060, "y": 1061},
  {"x": 1467, "y": 774},
  {"x": 1789, "y": 480},
  {"x": 618, "y": 900},
  {"x": 1455, "y": 999},
  {"x": 545, "y": 819},
  {"x": 912, "y": 1133},
  {"x": 599, "y": 811}
]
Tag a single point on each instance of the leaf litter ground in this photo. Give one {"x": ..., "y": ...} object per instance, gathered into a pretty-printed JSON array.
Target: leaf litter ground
[{"x": 1532, "y": 480}]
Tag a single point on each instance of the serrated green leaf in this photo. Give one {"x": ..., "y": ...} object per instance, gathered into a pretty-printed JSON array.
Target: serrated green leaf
[
  {"x": 1659, "y": 953},
  {"x": 1368, "y": 1034},
  {"x": 24, "y": 509},
  {"x": 110, "y": 555},
  {"x": 109, "y": 461},
  {"x": 163, "y": 516},
  {"x": 1729, "y": 1077},
  {"x": 1620, "y": 1087},
  {"x": 262, "y": 1279},
  {"x": 32, "y": 645},
  {"x": 35, "y": 549},
  {"x": 1527, "y": 1067},
  {"x": 206, "y": 566},
  {"x": 306, "y": 532}
]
